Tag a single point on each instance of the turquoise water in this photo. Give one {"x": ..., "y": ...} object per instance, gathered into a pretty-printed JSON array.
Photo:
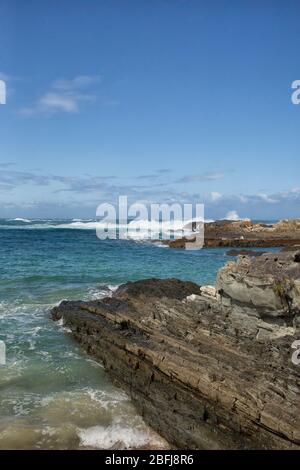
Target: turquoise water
[{"x": 52, "y": 395}]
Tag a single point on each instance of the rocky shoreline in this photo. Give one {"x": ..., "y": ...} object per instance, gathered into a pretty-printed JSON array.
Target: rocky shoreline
[
  {"x": 245, "y": 234},
  {"x": 207, "y": 367}
]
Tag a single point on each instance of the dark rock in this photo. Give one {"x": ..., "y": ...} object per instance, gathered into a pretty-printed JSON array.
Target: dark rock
[
  {"x": 179, "y": 242},
  {"x": 171, "y": 288},
  {"x": 297, "y": 258},
  {"x": 244, "y": 253},
  {"x": 245, "y": 234},
  {"x": 201, "y": 374}
]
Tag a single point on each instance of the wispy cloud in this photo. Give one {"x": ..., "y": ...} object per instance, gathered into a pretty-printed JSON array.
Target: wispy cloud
[
  {"x": 64, "y": 96},
  {"x": 147, "y": 177},
  {"x": 255, "y": 199},
  {"x": 156, "y": 174},
  {"x": 10, "y": 179},
  {"x": 268, "y": 199},
  {"x": 4, "y": 76},
  {"x": 6, "y": 164},
  {"x": 92, "y": 189},
  {"x": 210, "y": 176}
]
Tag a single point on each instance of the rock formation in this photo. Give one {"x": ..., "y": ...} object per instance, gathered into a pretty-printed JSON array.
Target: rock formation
[
  {"x": 209, "y": 367},
  {"x": 267, "y": 286},
  {"x": 244, "y": 253},
  {"x": 244, "y": 234}
]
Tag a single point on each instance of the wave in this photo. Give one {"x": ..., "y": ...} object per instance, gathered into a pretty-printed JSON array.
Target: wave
[
  {"x": 137, "y": 230},
  {"x": 82, "y": 220},
  {"x": 107, "y": 437},
  {"x": 20, "y": 219}
]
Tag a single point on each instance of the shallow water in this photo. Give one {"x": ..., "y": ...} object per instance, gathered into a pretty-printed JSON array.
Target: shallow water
[{"x": 52, "y": 395}]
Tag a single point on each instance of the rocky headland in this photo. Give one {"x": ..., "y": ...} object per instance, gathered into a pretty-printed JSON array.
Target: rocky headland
[
  {"x": 207, "y": 367},
  {"x": 244, "y": 234}
]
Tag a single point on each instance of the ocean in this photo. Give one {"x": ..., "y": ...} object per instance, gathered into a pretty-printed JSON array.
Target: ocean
[{"x": 52, "y": 395}]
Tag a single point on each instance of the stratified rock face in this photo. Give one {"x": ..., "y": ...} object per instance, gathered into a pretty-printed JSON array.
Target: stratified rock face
[
  {"x": 199, "y": 374},
  {"x": 269, "y": 284}
]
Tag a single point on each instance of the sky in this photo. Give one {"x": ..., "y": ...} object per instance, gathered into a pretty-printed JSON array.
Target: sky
[{"x": 163, "y": 101}]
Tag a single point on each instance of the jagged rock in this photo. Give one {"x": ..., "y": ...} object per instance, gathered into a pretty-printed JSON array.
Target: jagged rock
[
  {"x": 269, "y": 284},
  {"x": 208, "y": 291},
  {"x": 203, "y": 375}
]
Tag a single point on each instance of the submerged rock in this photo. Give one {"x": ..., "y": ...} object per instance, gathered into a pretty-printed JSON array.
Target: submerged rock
[{"x": 204, "y": 374}]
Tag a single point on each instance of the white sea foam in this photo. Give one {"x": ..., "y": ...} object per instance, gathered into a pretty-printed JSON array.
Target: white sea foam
[
  {"x": 20, "y": 219},
  {"x": 100, "y": 291},
  {"x": 107, "y": 400},
  {"x": 161, "y": 245},
  {"x": 114, "y": 435},
  {"x": 137, "y": 230},
  {"x": 234, "y": 216},
  {"x": 83, "y": 220}
]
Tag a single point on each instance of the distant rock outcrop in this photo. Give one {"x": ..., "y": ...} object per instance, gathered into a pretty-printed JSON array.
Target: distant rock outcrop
[
  {"x": 209, "y": 367},
  {"x": 245, "y": 234},
  {"x": 244, "y": 253}
]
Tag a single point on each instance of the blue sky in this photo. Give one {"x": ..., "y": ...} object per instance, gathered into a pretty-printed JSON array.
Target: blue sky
[{"x": 165, "y": 101}]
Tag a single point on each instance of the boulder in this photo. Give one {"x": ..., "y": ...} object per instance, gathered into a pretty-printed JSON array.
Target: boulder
[{"x": 269, "y": 284}]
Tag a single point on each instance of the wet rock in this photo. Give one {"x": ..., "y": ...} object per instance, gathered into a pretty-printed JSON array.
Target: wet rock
[
  {"x": 243, "y": 253},
  {"x": 203, "y": 374},
  {"x": 171, "y": 288}
]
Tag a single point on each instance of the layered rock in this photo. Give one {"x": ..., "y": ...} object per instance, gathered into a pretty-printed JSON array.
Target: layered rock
[
  {"x": 195, "y": 363},
  {"x": 269, "y": 285},
  {"x": 244, "y": 234}
]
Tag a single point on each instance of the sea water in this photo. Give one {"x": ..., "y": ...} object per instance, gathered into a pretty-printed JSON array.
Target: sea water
[{"x": 52, "y": 394}]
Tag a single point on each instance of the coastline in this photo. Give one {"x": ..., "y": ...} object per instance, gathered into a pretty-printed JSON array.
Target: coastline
[
  {"x": 245, "y": 234},
  {"x": 34, "y": 342},
  {"x": 207, "y": 368}
]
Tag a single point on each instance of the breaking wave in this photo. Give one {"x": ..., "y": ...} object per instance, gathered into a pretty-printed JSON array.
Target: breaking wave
[{"x": 136, "y": 229}]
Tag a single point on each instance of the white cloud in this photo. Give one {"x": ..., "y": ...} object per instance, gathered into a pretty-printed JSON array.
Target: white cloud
[
  {"x": 58, "y": 102},
  {"x": 82, "y": 81},
  {"x": 267, "y": 198},
  {"x": 215, "y": 196},
  {"x": 63, "y": 96}
]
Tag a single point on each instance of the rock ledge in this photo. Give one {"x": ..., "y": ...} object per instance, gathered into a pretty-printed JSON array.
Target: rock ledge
[{"x": 206, "y": 368}]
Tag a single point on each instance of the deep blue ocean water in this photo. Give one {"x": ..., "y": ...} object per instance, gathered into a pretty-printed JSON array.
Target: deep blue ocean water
[{"x": 52, "y": 395}]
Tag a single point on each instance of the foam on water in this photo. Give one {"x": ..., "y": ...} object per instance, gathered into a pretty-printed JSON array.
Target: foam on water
[
  {"x": 19, "y": 219},
  {"x": 52, "y": 394},
  {"x": 136, "y": 229},
  {"x": 117, "y": 435}
]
